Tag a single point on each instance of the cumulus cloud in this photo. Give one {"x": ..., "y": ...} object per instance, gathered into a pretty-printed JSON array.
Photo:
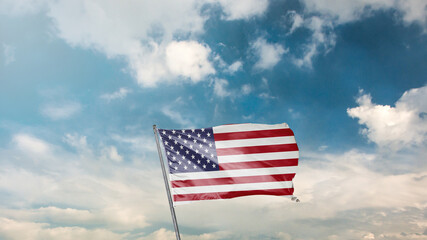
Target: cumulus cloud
[
  {"x": 401, "y": 126},
  {"x": 189, "y": 59},
  {"x": 120, "y": 199},
  {"x": 220, "y": 88},
  {"x": 322, "y": 38},
  {"x": 347, "y": 11},
  {"x": 243, "y": 9},
  {"x": 31, "y": 144},
  {"x": 14, "y": 230},
  {"x": 60, "y": 111},
  {"x": 119, "y": 94},
  {"x": 112, "y": 154},
  {"x": 234, "y": 67},
  {"x": 322, "y": 17},
  {"x": 268, "y": 54},
  {"x": 142, "y": 33}
]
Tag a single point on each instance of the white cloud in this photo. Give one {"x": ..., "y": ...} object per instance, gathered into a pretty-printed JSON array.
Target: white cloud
[
  {"x": 189, "y": 59},
  {"x": 177, "y": 117},
  {"x": 234, "y": 67},
  {"x": 246, "y": 89},
  {"x": 9, "y": 54},
  {"x": 31, "y": 144},
  {"x": 112, "y": 154},
  {"x": 141, "y": 33},
  {"x": 297, "y": 21},
  {"x": 325, "y": 15},
  {"x": 220, "y": 88},
  {"x": 347, "y": 11},
  {"x": 268, "y": 54},
  {"x": 396, "y": 127},
  {"x": 163, "y": 234},
  {"x": 243, "y": 9},
  {"x": 119, "y": 94},
  {"x": 20, "y": 230},
  {"x": 60, "y": 111},
  {"x": 121, "y": 199},
  {"x": 322, "y": 39}
]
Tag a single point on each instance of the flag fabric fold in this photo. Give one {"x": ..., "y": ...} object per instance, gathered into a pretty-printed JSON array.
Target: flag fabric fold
[{"x": 230, "y": 161}]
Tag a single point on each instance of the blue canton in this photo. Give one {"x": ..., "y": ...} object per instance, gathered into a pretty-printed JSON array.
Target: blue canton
[{"x": 190, "y": 150}]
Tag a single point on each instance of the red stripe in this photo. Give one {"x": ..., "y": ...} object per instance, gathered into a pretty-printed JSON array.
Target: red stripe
[
  {"x": 227, "y": 195},
  {"x": 257, "y": 149},
  {"x": 253, "y": 134},
  {"x": 233, "y": 180},
  {"x": 259, "y": 164}
]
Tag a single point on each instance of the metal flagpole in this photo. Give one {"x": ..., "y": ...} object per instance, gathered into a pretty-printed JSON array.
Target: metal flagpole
[{"x": 175, "y": 223}]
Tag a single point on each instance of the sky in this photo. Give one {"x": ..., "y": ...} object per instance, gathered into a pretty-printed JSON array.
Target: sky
[{"x": 83, "y": 81}]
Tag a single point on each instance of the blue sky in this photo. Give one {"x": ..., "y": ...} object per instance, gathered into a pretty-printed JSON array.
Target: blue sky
[{"x": 82, "y": 83}]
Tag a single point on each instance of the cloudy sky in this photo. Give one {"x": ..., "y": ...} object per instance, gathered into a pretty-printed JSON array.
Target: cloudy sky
[{"x": 83, "y": 81}]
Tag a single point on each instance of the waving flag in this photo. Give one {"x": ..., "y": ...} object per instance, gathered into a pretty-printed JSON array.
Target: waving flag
[{"x": 230, "y": 161}]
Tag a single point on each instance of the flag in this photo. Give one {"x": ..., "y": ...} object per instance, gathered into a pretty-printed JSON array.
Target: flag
[{"x": 230, "y": 161}]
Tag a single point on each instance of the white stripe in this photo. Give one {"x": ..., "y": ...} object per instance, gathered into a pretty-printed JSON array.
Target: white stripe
[
  {"x": 258, "y": 157},
  {"x": 233, "y": 187},
  {"x": 232, "y": 173},
  {"x": 178, "y": 203},
  {"x": 247, "y": 127},
  {"x": 254, "y": 142}
]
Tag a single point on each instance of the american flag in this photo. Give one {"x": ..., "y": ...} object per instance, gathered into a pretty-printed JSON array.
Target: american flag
[{"x": 230, "y": 161}]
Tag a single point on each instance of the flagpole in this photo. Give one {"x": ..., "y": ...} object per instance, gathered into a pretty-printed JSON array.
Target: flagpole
[{"x": 165, "y": 178}]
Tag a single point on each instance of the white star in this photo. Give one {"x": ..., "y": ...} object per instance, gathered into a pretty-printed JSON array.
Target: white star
[
  {"x": 206, "y": 150},
  {"x": 198, "y": 161},
  {"x": 176, "y": 142},
  {"x": 194, "y": 140},
  {"x": 208, "y": 161},
  {"x": 166, "y": 143},
  {"x": 208, "y": 134},
  {"x": 192, "y": 130},
  {"x": 204, "y": 166},
  {"x": 173, "y": 131},
  {"x": 210, "y": 144},
  {"x": 183, "y": 131},
  {"x": 170, "y": 163},
  {"x": 203, "y": 129},
  {"x": 198, "y": 135},
  {"x": 203, "y": 155},
  {"x": 181, "y": 147},
  {"x": 177, "y": 153},
  {"x": 187, "y": 152},
  {"x": 169, "y": 136},
  {"x": 176, "y": 167},
  {"x": 213, "y": 165},
  {"x": 168, "y": 153},
  {"x": 204, "y": 139},
  {"x": 200, "y": 145},
  {"x": 179, "y": 136},
  {"x": 185, "y": 141},
  {"x": 194, "y": 166},
  {"x": 172, "y": 147},
  {"x": 189, "y": 162},
  {"x": 197, "y": 151},
  {"x": 174, "y": 158},
  {"x": 188, "y": 135},
  {"x": 185, "y": 167},
  {"x": 192, "y": 156},
  {"x": 164, "y": 132},
  {"x": 183, "y": 157},
  {"x": 191, "y": 146},
  {"x": 179, "y": 162},
  {"x": 212, "y": 155}
]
